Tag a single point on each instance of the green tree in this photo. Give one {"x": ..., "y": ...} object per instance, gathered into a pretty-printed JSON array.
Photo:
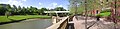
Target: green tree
[
  {"x": 9, "y": 9},
  {"x": 76, "y": 4},
  {"x": 23, "y": 11},
  {"x": 33, "y": 10},
  {"x": 2, "y": 9},
  {"x": 7, "y": 13},
  {"x": 59, "y": 9},
  {"x": 15, "y": 8},
  {"x": 41, "y": 11},
  {"x": 19, "y": 9}
]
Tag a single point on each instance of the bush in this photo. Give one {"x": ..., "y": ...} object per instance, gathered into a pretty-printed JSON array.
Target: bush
[
  {"x": 105, "y": 14},
  {"x": 108, "y": 10}
]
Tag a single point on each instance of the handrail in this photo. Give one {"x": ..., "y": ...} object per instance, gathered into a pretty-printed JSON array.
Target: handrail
[
  {"x": 63, "y": 25},
  {"x": 58, "y": 25}
]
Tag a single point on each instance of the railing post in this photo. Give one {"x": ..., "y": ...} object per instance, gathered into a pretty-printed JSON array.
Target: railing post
[{"x": 67, "y": 23}]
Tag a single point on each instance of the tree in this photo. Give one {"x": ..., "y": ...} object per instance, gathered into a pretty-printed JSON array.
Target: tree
[
  {"x": 59, "y": 9},
  {"x": 24, "y": 10},
  {"x": 9, "y": 9},
  {"x": 7, "y": 13},
  {"x": 3, "y": 9},
  {"x": 15, "y": 8},
  {"x": 29, "y": 11},
  {"x": 80, "y": 6},
  {"x": 41, "y": 11},
  {"x": 91, "y": 5},
  {"x": 33, "y": 10},
  {"x": 51, "y": 10},
  {"x": 19, "y": 9}
]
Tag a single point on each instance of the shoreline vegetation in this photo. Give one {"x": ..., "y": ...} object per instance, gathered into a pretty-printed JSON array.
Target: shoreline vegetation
[
  {"x": 15, "y": 14},
  {"x": 18, "y": 18}
]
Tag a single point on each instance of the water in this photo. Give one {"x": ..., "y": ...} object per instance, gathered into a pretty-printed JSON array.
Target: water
[{"x": 33, "y": 24}]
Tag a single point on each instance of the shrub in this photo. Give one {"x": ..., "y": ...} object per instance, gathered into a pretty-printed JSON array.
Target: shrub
[{"x": 108, "y": 10}]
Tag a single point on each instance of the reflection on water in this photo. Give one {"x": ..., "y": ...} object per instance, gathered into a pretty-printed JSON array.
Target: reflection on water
[{"x": 33, "y": 24}]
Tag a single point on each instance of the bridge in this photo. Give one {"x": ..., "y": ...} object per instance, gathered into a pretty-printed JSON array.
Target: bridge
[
  {"x": 78, "y": 22},
  {"x": 62, "y": 24}
]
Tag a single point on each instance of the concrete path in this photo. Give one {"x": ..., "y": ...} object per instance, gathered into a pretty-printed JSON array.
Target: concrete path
[{"x": 80, "y": 23}]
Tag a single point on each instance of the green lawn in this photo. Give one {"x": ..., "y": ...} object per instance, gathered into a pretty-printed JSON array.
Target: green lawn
[
  {"x": 105, "y": 14},
  {"x": 20, "y": 17},
  {"x": 3, "y": 19}
]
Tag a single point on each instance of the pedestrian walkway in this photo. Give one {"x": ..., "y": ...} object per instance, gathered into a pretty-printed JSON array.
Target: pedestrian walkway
[{"x": 80, "y": 23}]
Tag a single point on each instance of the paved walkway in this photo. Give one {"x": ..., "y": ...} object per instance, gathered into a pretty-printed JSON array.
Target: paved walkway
[{"x": 80, "y": 23}]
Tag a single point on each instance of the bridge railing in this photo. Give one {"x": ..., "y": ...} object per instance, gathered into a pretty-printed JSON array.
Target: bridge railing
[{"x": 62, "y": 24}]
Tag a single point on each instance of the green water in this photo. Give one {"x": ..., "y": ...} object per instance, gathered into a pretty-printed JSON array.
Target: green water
[{"x": 33, "y": 24}]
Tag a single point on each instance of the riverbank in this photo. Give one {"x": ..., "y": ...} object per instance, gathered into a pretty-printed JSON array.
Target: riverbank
[{"x": 22, "y": 17}]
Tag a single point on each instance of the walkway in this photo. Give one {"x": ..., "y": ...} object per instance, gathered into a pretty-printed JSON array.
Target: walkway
[{"x": 80, "y": 23}]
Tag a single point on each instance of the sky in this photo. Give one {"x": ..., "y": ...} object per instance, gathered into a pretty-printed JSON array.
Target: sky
[{"x": 49, "y": 4}]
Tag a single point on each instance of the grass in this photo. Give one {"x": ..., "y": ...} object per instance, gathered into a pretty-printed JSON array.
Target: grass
[
  {"x": 4, "y": 19},
  {"x": 105, "y": 14},
  {"x": 20, "y": 17}
]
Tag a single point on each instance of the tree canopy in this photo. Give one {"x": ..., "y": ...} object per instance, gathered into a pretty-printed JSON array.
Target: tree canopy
[{"x": 25, "y": 11}]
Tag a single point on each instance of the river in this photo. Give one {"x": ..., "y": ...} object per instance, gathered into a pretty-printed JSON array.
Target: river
[{"x": 31, "y": 24}]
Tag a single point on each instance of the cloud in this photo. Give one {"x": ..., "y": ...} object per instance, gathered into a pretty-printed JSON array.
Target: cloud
[
  {"x": 23, "y": 0},
  {"x": 40, "y": 3},
  {"x": 2, "y": 2},
  {"x": 54, "y": 4},
  {"x": 60, "y": 6},
  {"x": 36, "y": 6},
  {"x": 13, "y": 2}
]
